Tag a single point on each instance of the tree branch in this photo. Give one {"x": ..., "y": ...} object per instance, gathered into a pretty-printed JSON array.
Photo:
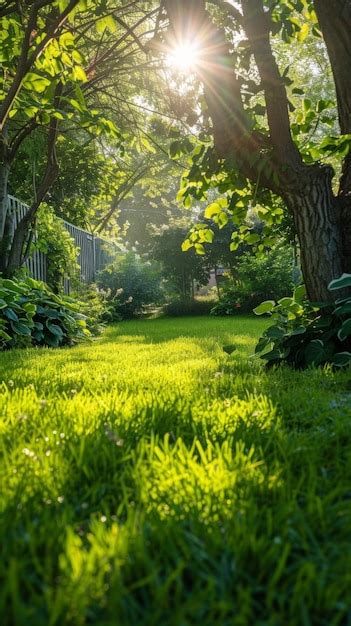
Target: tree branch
[
  {"x": 26, "y": 62},
  {"x": 257, "y": 28}
]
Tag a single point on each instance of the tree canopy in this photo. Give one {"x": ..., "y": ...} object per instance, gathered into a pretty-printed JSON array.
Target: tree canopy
[
  {"x": 269, "y": 136},
  {"x": 257, "y": 119}
]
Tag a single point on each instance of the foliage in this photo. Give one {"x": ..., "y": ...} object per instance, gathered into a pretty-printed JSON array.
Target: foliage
[
  {"x": 179, "y": 270},
  {"x": 94, "y": 304},
  {"x": 188, "y": 306},
  {"x": 269, "y": 137},
  {"x": 54, "y": 240},
  {"x": 304, "y": 333},
  {"x": 55, "y": 58},
  {"x": 200, "y": 491},
  {"x": 132, "y": 284},
  {"x": 255, "y": 279},
  {"x": 30, "y": 315}
]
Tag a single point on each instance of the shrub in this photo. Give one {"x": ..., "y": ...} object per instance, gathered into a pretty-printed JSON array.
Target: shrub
[
  {"x": 94, "y": 303},
  {"x": 132, "y": 284},
  {"x": 257, "y": 279},
  {"x": 58, "y": 245},
  {"x": 186, "y": 306},
  {"x": 305, "y": 334},
  {"x": 32, "y": 315}
]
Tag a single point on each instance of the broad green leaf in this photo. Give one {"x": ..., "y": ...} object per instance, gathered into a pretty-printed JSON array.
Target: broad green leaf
[
  {"x": 300, "y": 293},
  {"x": 35, "y": 83},
  {"x": 54, "y": 329},
  {"x": 345, "y": 330},
  {"x": 10, "y": 314},
  {"x": 285, "y": 303},
  {"x": 106, "y": 23},
  {"x": 20, "y": 328},
  {"x": 265, "y": 307},
  {"x": 341, "y": 359},
  {"x": 317, "y": 352},
  {"x": 344, "y": 309},
  {"x": 275, "y": 332},
  {"x": 199, "y": 249},
  {"x": 251, "y": 239},
  {"x": 79, "y": 74},
  {"x": 340, "y": 283},
  {"x": 213, "y": 209},
  {"x": 186, "y": 245},
  {"x": 299, "y": 330}
]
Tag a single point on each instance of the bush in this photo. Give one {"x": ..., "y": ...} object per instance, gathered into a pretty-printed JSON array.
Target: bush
[
  {"x": 257, "y": 279},
  {"x": 186, "y": 306},
  {"x": 132, "y": 285},
  {"x": 94, "y": 303},
  {"x": 60, "y": 249},
  {"x": 30, "y": 315},
  {"x": 304, "y": 334}
]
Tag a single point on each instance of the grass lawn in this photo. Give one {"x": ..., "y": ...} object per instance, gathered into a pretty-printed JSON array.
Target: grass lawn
[{"x": 149, "y": 479}]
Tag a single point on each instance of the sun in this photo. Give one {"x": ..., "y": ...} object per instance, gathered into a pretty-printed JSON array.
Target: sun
[{"x": 184, "y": 57}]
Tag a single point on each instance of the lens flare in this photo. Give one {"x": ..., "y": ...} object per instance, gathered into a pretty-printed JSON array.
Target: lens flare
[{"x": 184, "y": 57}]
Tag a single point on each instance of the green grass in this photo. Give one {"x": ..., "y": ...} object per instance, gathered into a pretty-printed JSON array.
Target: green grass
[{"x": 151, "y": 480}]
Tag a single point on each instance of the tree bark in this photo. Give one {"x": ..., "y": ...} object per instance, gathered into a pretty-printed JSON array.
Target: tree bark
[
  {"x": 316, "y": 219},
  {"x": 335, "y": 22}
]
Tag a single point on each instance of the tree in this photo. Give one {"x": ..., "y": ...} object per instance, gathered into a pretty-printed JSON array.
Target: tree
[
  {"x": 258, "y": 117},
  {"x": 62, "y": 61},
  {"x": 180, "y": 269}
]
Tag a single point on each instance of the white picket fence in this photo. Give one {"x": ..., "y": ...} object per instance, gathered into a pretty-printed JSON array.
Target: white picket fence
[{"x": 94, "y": 252}]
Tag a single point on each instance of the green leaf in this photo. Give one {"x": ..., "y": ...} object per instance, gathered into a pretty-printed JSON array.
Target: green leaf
[
  {"x": 35, "y": 83},
  {"x": 79, "y": 74},
  {"x": 20, "y": 328},
  {"x": 30, "y": 308},
  {"x": 5, "y": 336},
  {"x": 251, "y": 239},
  {"x": 10, "y": 314},
  {"x": 285, "y": 303},
  {"x": 300, "y": 293},
  {"x": 273, "y": 355},
  {"x": 299, "y": 330},
  {"x": 341, "y": 359},
  {"x": 344, "y": 309},
  {"x": 186, "y": 245},
  {"x": 262, "y": 344},
  {"x": 345, "y": 330},
  {"x": 106, "y": 23},
  {"x": 264, "y": 307},
  {"x": 275, "y": 332},
  {"x": 212, "y": 209},
  {"x": 340, "y": 283},
  {"x": 146, "y": 143},
  {"x": 54, "y": 329},
  {"x": 317, "y": 352},
  {"x": 199, "y": 249}
]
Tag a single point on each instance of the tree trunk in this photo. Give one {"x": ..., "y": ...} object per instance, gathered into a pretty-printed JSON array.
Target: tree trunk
[
  {"x": 4, "y": 179},
  {"x": 316, "y": 218}
]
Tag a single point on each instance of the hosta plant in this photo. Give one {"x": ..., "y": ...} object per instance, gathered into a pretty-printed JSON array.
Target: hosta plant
[
  {"x": 306, "y": 333},
  {"x": 31, "y": 315}
]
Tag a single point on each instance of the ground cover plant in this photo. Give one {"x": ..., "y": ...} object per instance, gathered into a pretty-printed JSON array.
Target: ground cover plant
[
  {"x": 304, "y": 333},
  {"x": 30, "y": 314},
  {"x": 201, "y": 491}
]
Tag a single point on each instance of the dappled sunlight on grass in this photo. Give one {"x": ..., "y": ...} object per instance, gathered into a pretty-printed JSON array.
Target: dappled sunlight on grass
[{"x": 152, "y": 477}]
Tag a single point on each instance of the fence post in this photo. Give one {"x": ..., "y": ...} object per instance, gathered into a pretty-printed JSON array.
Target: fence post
[{"x": 94, "y": 259}]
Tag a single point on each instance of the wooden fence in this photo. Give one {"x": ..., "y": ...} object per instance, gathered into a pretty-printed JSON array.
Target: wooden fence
[{"x": 94, "y": 252}]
